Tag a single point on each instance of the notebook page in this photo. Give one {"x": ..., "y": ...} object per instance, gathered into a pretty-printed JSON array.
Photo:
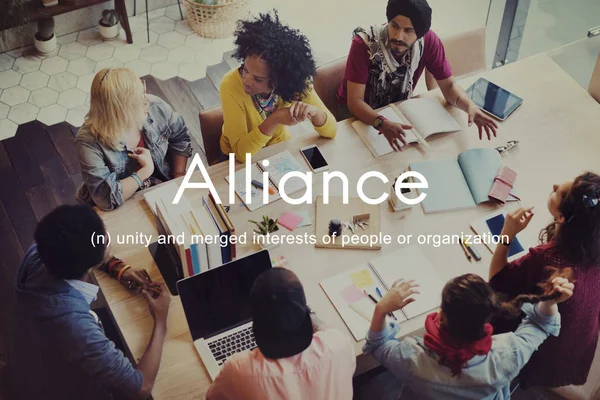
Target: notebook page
[
  {"x": 354, "y": 317},
  {"x": 256, "y": 194},
  {"x": 409, "y": 263},
  {"x": 428, "y": 116},
  {"x": 376, "y": 143},
  {"x": 279, "y": 165},
  {"x": 480, "y": 167}
]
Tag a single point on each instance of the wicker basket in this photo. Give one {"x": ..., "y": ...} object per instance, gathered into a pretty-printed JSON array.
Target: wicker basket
[{"x": 215, "y": 21}]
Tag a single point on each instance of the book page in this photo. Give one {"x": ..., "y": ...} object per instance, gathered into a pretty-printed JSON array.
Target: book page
[
  {"x": 256, "y": 194},
  {"x": 409, "y": 263},
  {"x": 428, "y": 116},
  {"x": 279, "y": 165},
  {"x": 376, "y": 143}
]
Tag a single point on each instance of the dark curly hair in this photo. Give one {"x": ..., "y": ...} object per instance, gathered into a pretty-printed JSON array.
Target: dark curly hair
[{"x": 286, "y": 51}]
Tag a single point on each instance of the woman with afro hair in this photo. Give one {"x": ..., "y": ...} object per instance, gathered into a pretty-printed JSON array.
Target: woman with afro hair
[{"x": 271, "y": 89}]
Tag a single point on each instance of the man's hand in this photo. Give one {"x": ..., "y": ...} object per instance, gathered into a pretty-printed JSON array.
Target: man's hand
[
  {"x": 136, "y": 277},
  {"x": 483, "y": 122},
  {"x": 159, "y": 306},
  {"x": 394, "y": 133}
]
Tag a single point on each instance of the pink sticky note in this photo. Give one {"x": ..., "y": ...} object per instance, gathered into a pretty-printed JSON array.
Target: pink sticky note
[
  {"x": 290, "y": 220},
  {"x": 352, "y": 295}
]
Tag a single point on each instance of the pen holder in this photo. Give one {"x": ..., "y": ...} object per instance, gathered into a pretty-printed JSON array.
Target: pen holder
[{"x": 395, "y": 202}]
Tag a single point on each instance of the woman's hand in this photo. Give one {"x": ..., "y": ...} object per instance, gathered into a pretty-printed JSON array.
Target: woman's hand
[
  {"x": 143, "y": 156},
  {"x": 516, "y": 221},
  {"x": 285, "y": 116},
  {"x": 137, "y": 278},
  {"x": 562, "y": 286},
  {"x": 397, "y": 297},
  {"x": 301, "y": 111}
]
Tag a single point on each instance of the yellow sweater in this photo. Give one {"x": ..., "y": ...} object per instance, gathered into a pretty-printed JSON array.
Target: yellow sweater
[{"x": 241, "y": 119}]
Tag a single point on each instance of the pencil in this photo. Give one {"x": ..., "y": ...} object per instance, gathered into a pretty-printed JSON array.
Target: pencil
[
  {"x": 462, "y": 246},
  {"x": 473, "y": 251}
]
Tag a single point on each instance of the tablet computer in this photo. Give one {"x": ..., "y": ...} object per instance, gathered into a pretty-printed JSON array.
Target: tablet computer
[{"x": 493, "y": 99}]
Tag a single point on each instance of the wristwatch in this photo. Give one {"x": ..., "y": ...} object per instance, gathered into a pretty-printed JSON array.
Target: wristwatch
[{"x": 377, "y": 124}]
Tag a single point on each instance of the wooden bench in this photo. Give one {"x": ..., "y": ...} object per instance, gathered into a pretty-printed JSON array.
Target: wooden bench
[{"x": 36, "y": 11}]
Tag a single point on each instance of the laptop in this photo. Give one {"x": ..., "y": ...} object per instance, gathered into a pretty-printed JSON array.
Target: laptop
[{"x": 217, "y": 309}]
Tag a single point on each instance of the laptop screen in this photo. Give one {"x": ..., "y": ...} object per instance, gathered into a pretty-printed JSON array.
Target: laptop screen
[{"x": 219, "y": 299}]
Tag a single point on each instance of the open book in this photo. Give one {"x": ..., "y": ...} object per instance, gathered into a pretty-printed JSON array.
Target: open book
[
  {"x": 427, "y": 117},
  {"x": 460, "y": 183},
  {"x": 347, "y": 290},
  {"x": 279, "y": 165}
]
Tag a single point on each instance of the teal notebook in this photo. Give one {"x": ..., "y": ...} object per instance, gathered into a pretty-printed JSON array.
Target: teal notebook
[{"x": 460, "y": 183}]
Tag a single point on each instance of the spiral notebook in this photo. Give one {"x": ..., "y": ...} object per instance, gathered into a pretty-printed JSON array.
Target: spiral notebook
[
  {"x": 407, "y": 263},
  {"x": 279, "y": 165}
]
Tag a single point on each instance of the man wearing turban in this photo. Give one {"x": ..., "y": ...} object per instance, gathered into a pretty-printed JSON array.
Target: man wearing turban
[{"x": 385, "y": 63}]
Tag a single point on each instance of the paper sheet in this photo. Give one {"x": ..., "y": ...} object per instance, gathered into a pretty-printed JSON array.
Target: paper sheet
[
  {"x": 351, "y": 294},
  {"x": 362, "y": 279}
]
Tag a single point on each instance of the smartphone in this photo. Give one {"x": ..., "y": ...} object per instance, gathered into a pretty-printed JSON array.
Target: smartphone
[{"x": 314, "y": 158}]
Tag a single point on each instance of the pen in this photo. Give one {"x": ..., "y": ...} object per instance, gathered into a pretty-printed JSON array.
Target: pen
[
  {"x": 462, "y": 246},
  {"x": 260, "y": 186},
  {"x": 473, "y": 251},
  {"x": 375, "y": 301},
  {"x": 378, "y": 292}
]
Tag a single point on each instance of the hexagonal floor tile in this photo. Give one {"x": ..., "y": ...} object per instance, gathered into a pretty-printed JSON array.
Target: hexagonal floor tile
[
  {"x": 173, "y": 12},
  {"x": 196, "y": 42},
  {"x": 4, "y": 110},
  {"x": 75, "y": 116},
  {"x": 71, "y": 98},
  {"x": 9, "y": 78},
  {"x": 171, "y": 40},
  {"x": 140, "y": 39},
  {"x": 52, "y": 114},
  {"x": 110, "y": 63},
  {"x": 27, "y": 64},
  {"x": 127, "y": 53},
  {"x": 181, "y": 55},
  {"x": 54, "y": 65},
  {"x": 191, "y": 71},
  {"x": 165, "y": 70},
  {"x": 72, "y": 51},
  {"x": 89, "y": 37},
  {"x": 7, "y": 129},
  {"x": 14, "y": 95},
  {"x": 84, "y": 83},
  {"x": 81, "y": 66},
  {"x": 23, "y": 113},
  {"x": 119, "y": 41},
  {"x": 43, "y": 97},
  {"x": 159, "y": 12},
  {"x": 140, "y": 67},
  {"x": 6, "y": 62},
  {"x": 183, "y": 27},
  {"x": 162, "y": 25},
  {"x": 66, "y": 39},
  {"x": 137, "y": 23},
  {"x": 34, "y": 80},
  {"x": 100, "y": 52},
  {"x": 62, "y": 81},
  {"x": 154, "y": 54}
]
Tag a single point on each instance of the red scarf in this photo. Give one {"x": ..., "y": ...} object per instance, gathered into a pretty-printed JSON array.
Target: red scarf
[{"x": 452, "y": 354}]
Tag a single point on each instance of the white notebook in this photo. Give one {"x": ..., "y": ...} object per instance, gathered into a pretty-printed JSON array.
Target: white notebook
[
  {"x": 279, "y": 165},
  {"x": 427, "y": 117},
  {"x": 407, "y": 263}
]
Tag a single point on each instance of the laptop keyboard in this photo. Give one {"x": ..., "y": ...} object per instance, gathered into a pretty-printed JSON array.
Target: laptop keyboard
[{"x": 225, "y": 347}]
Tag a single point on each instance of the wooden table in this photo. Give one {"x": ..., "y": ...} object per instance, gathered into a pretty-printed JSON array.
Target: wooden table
[{"x": 557, "y": 127}]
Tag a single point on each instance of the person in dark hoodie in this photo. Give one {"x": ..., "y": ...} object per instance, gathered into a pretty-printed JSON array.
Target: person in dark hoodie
[{"x": 59, "y": 349}]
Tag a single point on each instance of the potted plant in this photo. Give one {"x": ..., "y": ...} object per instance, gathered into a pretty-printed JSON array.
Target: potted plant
[
  {"x": 45, "y": 40},
  {"x": 266, "y": 226},
  {"x": 109, "y": 25}
]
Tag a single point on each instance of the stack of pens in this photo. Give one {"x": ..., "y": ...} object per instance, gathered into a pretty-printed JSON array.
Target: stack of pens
[{"x": 470, "y": 251}]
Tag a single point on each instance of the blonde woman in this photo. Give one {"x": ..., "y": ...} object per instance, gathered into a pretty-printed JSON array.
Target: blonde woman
[{"x": 128, "y": 141}]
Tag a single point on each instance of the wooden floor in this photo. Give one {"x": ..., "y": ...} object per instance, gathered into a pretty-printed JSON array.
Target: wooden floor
[{"x": 39, "y": 170}]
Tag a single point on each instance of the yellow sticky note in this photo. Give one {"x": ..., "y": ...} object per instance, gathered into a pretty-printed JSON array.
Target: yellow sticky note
[{"x": 362, "y": 279}]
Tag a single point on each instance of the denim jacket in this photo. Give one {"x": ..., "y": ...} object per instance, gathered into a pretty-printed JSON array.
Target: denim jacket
[
  {"x": 485, "y": 377},
  {"x": 102, "y": 168}
]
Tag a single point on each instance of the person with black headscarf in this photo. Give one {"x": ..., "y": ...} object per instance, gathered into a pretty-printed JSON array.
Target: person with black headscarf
[{"x": 386, "y": 61}]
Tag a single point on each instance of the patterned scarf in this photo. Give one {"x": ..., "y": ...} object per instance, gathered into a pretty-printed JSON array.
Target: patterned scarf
[
  {"x": 265, "y": 106},
  {"x": 389, "y": 80}
]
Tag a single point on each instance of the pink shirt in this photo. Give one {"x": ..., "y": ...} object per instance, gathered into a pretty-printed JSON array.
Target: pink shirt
[{"x": 323, "y": 371}]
